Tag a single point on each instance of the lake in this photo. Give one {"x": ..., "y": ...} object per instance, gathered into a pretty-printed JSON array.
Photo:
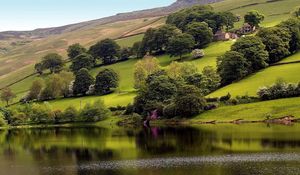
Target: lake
[{"x": 224, "y": 149}]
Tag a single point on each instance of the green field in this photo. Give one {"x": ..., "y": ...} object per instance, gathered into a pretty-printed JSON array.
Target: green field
[
  {"x": 253, "y": 111},
  {"x": 268, "y": 76}
]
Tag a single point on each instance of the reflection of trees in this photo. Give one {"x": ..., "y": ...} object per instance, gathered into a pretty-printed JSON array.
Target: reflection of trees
[{"x": 180, "y": 140}]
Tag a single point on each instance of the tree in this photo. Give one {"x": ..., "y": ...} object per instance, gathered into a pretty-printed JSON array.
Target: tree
[
  {"x": 189, "y": 101},
  {"x": 180, "y": 44},
  {"x": 228, "y": 20},
  {"x": 75, "y": 49},
  {"x": 7, "y": 95},
  {"x": 39, "y": 68},
  {"x": 66, "y": 79},
  {"x": 293, "y": 26},
  {"x": 162, "y": 36},
  {"x": 148, "y": 42},
  {"x": 83, "y": 80},
  {"x": 107, "y": 50},
  {"x": 296, "y": 13},
  {"x": 232, "y": 66},
  {"x": 210, "y": 80},
  {"x": 277, "y": 42},
  {"x": 179, "y": 71},
  {"x": 53, "y": 62},
  {"x": 105, "y": 80},
  {"x": 253, "y": 50},
  {"x": 201, "y": 32},
  {"x": 254, "y": 18},
  {"x": 142, "y": 69},
  {"x": 137, "y": 49},
  {"x": 52, "y": 88},
  {"x": 125, "y": 53},
  {"x": 35, "y": 89},
  {"x": 82, "y": 61}
]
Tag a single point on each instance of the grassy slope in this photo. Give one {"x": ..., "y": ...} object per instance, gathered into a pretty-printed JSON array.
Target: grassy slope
[
  {"x": 253, "y": 111},
  {"x": 250, "y": 85}
]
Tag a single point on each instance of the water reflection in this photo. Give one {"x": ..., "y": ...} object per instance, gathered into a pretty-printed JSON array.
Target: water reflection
[{"x": 207, "y": 149}]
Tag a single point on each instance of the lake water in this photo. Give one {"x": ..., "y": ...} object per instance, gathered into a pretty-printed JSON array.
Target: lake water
[{"x": 209, "y": 149}]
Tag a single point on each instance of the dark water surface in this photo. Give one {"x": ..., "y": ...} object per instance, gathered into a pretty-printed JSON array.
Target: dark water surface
[{"x": 209, "y": 149}]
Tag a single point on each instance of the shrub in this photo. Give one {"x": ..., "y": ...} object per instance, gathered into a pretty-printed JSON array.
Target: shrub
[
  {"x": 225, "y": 98},
  {"x": 2, "y": 120},
  {"x": 198, "y": 53},
  {"x": 117, "y": 108},
  {"x": 93, "y": 112},
  {"x": 170, "y": 111},
  {"x": 214, "y": 99},
  {"x": 210, "y": 107},
  {"x": 18, "y": 118},
  {"x": 41, "y": 113},
  {"x": 70, "y": 114},
  {"x": 129, "y": 109}
]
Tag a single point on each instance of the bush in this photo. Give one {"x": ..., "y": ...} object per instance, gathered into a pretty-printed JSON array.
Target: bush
[
  {"x": 18, "y": 118},
  {"x": 117, "y": 108},
  {"x": 225, "y": 98},
  {"x": 41, "y": 114},
  {"x": 198, "y": 53},
  {"x": 170, "y": 111},
  {"x": 2, "y": 120},
  {"x": 93, "y": 112},
  {"x": 214, "y": 99},
  {"x": 279, "y": 90},
  {"x": 70, "y": 114},
  {"x": 129, "y": 109},
  {"x": 210, "y": 107}
]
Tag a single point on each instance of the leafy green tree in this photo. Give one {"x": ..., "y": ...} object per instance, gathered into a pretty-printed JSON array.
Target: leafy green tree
[
  {"x": 94, "y": 112},
  {"x": 232, "y": 66},
  {"x": 39, "y": 68},
  {"x": 179, "y": 71},
  {"x": 137, "y": 49},
  {"x": 277, "y": 42},
  {"x": 7, "y": 95},
  {"x": 66, "y": 79},
  {"x": 210, "y": 80},
  {"x": 142, "y": 69},
  {"x": 83, "y": 80},
  {"x": 125, "y": 53},
  {"x": 189, "y": 101},
  {"x": 162, "y": 36},
  {"x": 35, "y": 89},
  {"x": 201, "y": 32},
  {"x": 293, "y": 26},
  {"x": 106, "y": 50},
  {"x": 53, "y": 61},
  {"x": 180, "y": 45},
  {"x": 254, "y": 18},
  {"x": 253, "y": 50},
  {"x": 75, "y": 49},
  {"x": 228, "y": 20},
  {"x": 148, "y": 43},
  {"x": 52, "y": 88},
  {"x": 106, "y": 80},
  {"x": 82, "y": 61}
]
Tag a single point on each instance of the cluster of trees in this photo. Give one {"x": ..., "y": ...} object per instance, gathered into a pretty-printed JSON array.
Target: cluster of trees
[
  {"x": 43, "y": 114},
  {"x": 65, "y": 84},
  {"x": 185, "y": 30},
  {"x": 280, "y": 89},
  {"x": 252, "y": 53},
  {"x": 174, "y": 91}
]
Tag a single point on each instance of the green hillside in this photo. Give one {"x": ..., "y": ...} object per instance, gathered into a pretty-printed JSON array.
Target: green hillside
[{"x": 268, "y": 76}]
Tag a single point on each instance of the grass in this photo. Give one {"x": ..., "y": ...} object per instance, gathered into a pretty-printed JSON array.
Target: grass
[
  {"x": 253, "y": 111},
  {"x": 129, "y": 41},
  {"x": 268, "y": 76}
]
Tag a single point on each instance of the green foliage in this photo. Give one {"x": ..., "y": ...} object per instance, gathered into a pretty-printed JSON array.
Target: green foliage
[
  {"x": 137, "y": 49},
  {"x": 2, "y": 120},
  {"x": 296, "y": 13},
  {"x": 35, "y": 90},
  {"x": 106, "y": 50},
  {"x": 253, "y": 50},
  {"x": 74, "y": 50},
  {"x": 41, "y": 113},
  {"x": 189, "y": 101},
  {"x": 278, "y": 90},
  {"x": 254, "y": 18},
  {"x": 293, "y": 26},
  {"x": 125, "y": 53},
  {"x": 105, "y": 81},
  {"x": 93, "y": 112},
  {"x": 232, "y": 66},
  {"x": 142, "y": 69},
  {"x": 201, "y": 32},
  {"x": 180, "y": 44},
  {"x": 277, "y": 42},
  {"x": 83, "y": 80},
  {"x": 52, "y": 88},
  {"x": 210, "y": 80},
  {"x": 53, "y": 62},
  {"x": 70, "y": 114},
  {"x": 39, "y": 68},
  {"x": 82, "y": 61}
]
